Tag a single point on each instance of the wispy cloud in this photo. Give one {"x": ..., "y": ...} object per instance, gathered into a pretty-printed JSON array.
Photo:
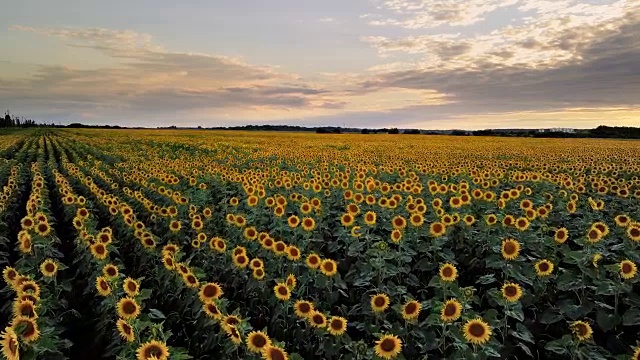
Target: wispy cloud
[
  {"x": 417, "y": 14},
  {"x": 150, "y": 79}
]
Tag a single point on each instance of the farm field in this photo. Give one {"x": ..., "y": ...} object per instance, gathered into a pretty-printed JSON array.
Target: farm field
[{"x": 177, "y": 244}]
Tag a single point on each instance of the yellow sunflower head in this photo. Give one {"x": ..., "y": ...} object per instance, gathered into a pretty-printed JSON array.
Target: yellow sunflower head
[
  {"x": 388, "y": 346},
  {"x": 448, "y": 272},
  {"x": 380, "y": 302},
  {"x": 477, "y": 331}
]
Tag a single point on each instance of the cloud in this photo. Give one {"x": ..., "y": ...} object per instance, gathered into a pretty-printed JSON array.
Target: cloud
[
  {"x": 148, "y": 80},
  {"x": 421, "y": 14},
  {"x": 327, "y": 20},
  {"x": 602, "y": 71},
  {"x": 551, "y": 38}
]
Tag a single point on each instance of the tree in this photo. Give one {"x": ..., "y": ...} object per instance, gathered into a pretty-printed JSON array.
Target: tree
[
  {"x": 393, "y": 131},
  {"x": 412, "y": 132}
]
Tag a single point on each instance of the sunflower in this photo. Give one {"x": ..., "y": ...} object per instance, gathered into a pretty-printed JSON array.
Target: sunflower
[
  {"x": 274, "y": 353},
  {"x": 595, "y": 259},
  {"x": 29, "y": 287},
  {"x": 168, "y": 262},
  {"x": 282, "y": 291},
  {"x": 388, "y": 346},
  {"x": 241, "y": 261},
  {"x": 24, "y": 308},
  {"x": 508, "y": 220},
  {"x": 27, "y": 222},
  {"x": 448, "y": 272},
  {"x": 293, "y": 221},
  {"x": 25, "y": 243},
  {"x": 491, "y": 219},
  {"x": 26, "y": 328},
  {"x": 622, "y": 220},
  {"x": 347, "y": 220},
  {"x": 170, "y": 249},
  {"x": 581, "y": 330},
  {"x": 239, "y": 250},
  {"x": 303, "y": 308},
  {"x": 477, "y": 331},
  {"x": 355, "y": 231},
  {"x": 10, "y": 274},
  {"x": 125, "y": 330},
  {"x": 380, "y": 302},
  {"x": 396, "y": 236},
  {"x": 250, "y": 233},
  {"x": 212, "y": 311},
  {"x": 594, "y": 235},
  {"x": 510, "y": 249},
  {"x": 49, "y": 268},
  {"x": 633, "y": 232},
  {"x": 561, "y": 235},
  {"x": 604, "y": 228},
  {"x": 398, "y": 222},
  {"x": 370, "y": 218},
  {"x": 209, "y": 292},
  {"x": 337, "y": 325},
  {"x": 469, "y": 220},
  {"x": 10, "y": 344},
  {"x": 628, "y": 269},
  {"x": 99, "y": 251},
  {"x": 279, "y": 247},
  {"x": 317, "y": 319},
  {"x": 291, "y": 281},
  {"x": 190, "y": 280},
  {"x": 110, "y": 271},
  {"x": 131, "y": 287},
  {"x": 329, "y": 267},
  {"x": 636, "y": 353},
  {"x": 105, "y": 238},
  {"x": 257, "y": 341},
  {"x": 230, "y": 321},
  {"x": 543, "y": 267},
  {"x": 220, "y": 245},
  {"x": 43, "y": 228},
  {"x": 451, "y": 311},
  {"x": 411, "y": 310},
  {"x": 152, "y": 350},
  {"x": 175, "y": 226},
  {"x": 437, "y": 229},
  {"x": 522, "y": 223},
  {"x": 128, "y": 308},
  {"x": 416, "y": 220},
  {"x": 308, "y": 224},
  {"x": 258, "y": 273},
  {"x": 234, "y": 335},
  {"x": 293, "y": 253},
  {"x": 511, "y": 292}
]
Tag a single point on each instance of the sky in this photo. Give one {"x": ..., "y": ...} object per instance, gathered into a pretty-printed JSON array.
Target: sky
[{"x": 429, "y": 64}]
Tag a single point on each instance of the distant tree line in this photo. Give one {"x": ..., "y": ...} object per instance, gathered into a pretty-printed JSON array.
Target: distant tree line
[
  {"x": 13, "y": 121},
  {"x": 602, "y": 131}
]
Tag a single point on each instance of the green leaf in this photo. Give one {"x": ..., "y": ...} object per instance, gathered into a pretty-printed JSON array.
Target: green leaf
[
  {"x": 525, "y": 348},
  {"x": 607, "y": 321},
  {"x": 522, "y": 333},
  {"x": 156, "y": 314},
  {"x": 486, "y": 279},
  {"x": 550, "y": 316},
  {"x": 631, "y": 317},
  {"x": 516, "y": 313},
  {"x": 559, "y": 346}
]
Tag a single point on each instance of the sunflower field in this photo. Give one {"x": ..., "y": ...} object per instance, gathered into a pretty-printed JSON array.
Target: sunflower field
[{"x": 180, "y": 244}]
